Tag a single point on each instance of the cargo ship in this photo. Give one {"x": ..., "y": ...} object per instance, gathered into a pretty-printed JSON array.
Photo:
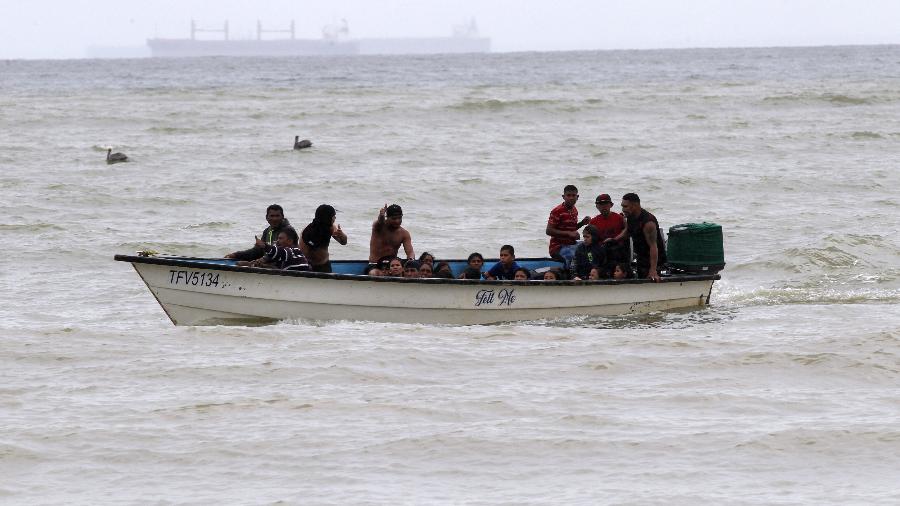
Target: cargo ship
[{"x": 335, "y": 40}]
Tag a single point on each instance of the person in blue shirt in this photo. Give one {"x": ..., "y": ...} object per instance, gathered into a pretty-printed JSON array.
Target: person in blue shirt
[{"x": 506, "y": 268}]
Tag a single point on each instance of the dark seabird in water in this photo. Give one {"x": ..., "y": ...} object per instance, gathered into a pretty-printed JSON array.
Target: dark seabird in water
[
  {"x": 112, "y": 158},
  {"x": 298, "y": 144}
]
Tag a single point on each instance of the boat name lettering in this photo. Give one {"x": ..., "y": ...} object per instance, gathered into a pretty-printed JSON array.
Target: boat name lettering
[
  {"x": 193, "y": 278},
  {"x": 503, "y": 297}
]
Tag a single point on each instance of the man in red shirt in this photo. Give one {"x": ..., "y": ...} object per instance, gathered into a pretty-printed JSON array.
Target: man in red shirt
[
  {"x": 609, "y": 225},
  {"x": 563, "y": 225}
]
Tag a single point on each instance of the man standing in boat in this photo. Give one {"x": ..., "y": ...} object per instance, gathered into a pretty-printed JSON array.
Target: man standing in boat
[
  {"x": 388, "y": 235},
  {"x": 277, "y": 223},
  {"x": 563, "y": 225},
  {"x": 643, "y": 228}
]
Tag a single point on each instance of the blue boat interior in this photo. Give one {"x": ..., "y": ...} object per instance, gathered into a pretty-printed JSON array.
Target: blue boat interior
[{"x": 357, "y": 266}]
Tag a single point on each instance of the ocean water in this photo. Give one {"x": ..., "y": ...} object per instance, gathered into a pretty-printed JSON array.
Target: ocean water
[{"x": 783, "y": 391}]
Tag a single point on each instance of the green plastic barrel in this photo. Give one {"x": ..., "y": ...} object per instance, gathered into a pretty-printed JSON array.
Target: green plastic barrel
[{"x": 696, "y": 247}]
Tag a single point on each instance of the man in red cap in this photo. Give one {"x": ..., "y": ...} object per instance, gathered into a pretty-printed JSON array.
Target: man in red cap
[{"x": 609, "y": 225}]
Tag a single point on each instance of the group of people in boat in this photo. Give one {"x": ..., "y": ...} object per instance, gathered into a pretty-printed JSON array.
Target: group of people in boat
[{"x": 600, "y": 251}]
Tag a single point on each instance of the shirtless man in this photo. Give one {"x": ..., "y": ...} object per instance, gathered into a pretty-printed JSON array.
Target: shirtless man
[{"x": 388, "y": 235}]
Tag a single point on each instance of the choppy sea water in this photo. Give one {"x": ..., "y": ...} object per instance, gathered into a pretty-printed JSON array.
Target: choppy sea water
[{"x": 783, "y": 391}]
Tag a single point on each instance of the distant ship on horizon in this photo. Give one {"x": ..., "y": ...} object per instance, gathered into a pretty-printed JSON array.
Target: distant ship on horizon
[{"x": 335, "y": 41}]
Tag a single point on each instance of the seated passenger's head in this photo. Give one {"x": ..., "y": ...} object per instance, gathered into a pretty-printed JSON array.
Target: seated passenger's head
[
  {"x": 274, "y": 215},
  {"x": 551, "y": 275},
  {"x": 443, "y": 267},
  {"x": 425, "y": 271},
  {"x": 411, "y": 269},
  {"x": 472, "y": 273},
  {"x": 287, "y": 238},
  {"x": 395, "y": 267},
  {"x": 374, "y": 271},
  {"x": 603, "y": 203},
  {"x": 621, "y": 271},
  {"x": 444, "y": 274},
  {"x": 570, "y": 195},
  {"x": 595, "y": 273},
  {"x": 426, "y": 258},
  {"x": 590, "y": 234},
  {"x": 507, "y": 254},
  {"x": 521, "y": 274},
  {"x": 476, "y": 261}
]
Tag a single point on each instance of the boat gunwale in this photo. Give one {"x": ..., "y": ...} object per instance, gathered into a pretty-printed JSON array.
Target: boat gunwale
[{"x": 197, "y": 263}]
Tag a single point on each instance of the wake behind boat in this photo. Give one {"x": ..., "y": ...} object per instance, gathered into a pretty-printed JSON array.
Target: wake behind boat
[{"x": 203, "y": 291}]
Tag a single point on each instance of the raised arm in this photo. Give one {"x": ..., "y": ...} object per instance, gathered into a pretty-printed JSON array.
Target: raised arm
[
  {"x": 407, "y": 245},
  {"x": 378, "y": 224},
  {"x": 339, "y": 235}
]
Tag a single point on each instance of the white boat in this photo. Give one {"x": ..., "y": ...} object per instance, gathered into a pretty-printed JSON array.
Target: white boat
[{"x": 197, "y": 291}]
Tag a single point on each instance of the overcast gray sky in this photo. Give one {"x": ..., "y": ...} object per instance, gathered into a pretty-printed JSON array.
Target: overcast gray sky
[{"x": 66, "y": 28}]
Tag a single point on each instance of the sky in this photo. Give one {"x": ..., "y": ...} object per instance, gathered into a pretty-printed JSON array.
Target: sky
[{"x": 54, "y": 29}]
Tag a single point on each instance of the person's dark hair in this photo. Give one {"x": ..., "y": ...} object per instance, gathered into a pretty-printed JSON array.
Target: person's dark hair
[
  {"x": 631, "y": 197},
  {"x": 275, "y": 207},
  {"x": 291, "y": 233},
  {"x": 475, "y": 255},
  {"x": 592, "y": 231},
  {"x": 443, "y": 274},
  {"x": 393, "y": 210},
  {"x": 507, "y": 247},
  {"x": 411, "y": 264},
  {"x": 625, "y": 268},
  {"x": 570, "y": 188},
  {"x": 318, "y": 233},
  {"x": 526, "y": 271},
  {"x": 471, "y": 273},
  {"x": 438, "y": 267},
  {"x": 426, "y": 254}
]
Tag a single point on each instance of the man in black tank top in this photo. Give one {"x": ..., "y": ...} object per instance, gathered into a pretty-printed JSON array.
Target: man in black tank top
[{"x": 643, "y": 228}]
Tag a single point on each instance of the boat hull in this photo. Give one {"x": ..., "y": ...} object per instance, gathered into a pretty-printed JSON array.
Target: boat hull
[{"x": 194, "y": 293}]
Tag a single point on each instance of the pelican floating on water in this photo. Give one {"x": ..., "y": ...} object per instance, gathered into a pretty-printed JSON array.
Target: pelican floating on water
[
  {"x": 112, "y": 158},
  {"x": 298, "y": 144}
]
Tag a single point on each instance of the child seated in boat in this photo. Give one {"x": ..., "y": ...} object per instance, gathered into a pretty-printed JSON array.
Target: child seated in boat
[
  {"x": 443, "y": 270},
  {"x": 281, "y": 255},
  {"x": 476, "y": 263},
  {"x": 595, "y": 274},
  {"x": 522, "y": 274},
  {"x": 506, "y": 268},
  {"x": 552, "y": 275},
  {"x": 470, "y": 273},
  {"x": 588, "y": 254},
  {"x": 621, "y": 271},
  {"x": 425, "y": 271}
]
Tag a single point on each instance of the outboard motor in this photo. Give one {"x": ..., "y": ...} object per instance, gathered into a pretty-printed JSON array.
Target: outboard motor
[{"x": 695, "y": 248}]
